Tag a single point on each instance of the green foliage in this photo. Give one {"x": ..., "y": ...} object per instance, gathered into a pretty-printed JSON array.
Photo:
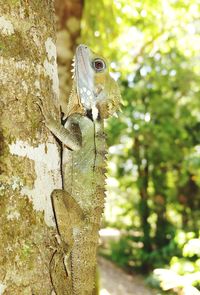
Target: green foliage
[
  {"x": 189, "y": 260},
  {"x": 121, "y": 252},
  {"x": 129, "y": 252},
  {"x": 154, "y": 154},
  {"x": 185, "y": 266}
]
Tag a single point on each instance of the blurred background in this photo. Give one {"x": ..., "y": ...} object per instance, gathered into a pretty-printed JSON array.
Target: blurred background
[{"x": 151, "y": 221}]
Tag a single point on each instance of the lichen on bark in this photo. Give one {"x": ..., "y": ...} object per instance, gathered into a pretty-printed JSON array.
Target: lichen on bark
[{"x": 28, "y": 174}]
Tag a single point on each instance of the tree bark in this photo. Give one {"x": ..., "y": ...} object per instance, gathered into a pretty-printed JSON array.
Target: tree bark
[
  {"x": 68, "y": 23},
  {"x": 30, "y": 157}
]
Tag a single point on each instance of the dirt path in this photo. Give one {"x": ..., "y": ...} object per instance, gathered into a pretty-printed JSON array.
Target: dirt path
[{"x": 114, "y": 281}]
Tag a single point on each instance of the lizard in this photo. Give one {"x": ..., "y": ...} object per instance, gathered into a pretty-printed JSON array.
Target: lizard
[{"x": 78, "y": 207}]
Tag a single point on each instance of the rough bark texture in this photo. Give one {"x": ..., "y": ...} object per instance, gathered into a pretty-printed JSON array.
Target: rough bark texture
[
  {"x": 69, "y": 13},
  {"x": 28, "y": 175}
]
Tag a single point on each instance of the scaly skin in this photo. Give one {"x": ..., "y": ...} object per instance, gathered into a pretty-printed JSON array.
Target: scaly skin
[
  {"x": 78, "y": 208},
  {"x": 85, "y": 170}
]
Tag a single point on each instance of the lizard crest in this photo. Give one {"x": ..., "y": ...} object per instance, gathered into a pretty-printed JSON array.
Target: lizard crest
[{"x": 94, "y": 91}]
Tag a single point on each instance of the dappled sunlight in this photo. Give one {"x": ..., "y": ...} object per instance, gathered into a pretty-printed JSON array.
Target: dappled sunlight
[
  {"x": 153, "y": 184},
  {"x": 171, "y": 280},
  {"x": 109, "y": 232},
  {"x": 104, "y": 292},
  {"x": 125, "y": 133}
]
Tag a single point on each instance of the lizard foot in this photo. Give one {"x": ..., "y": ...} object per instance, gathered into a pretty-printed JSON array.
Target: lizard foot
[{"x": 48, "y": 108}]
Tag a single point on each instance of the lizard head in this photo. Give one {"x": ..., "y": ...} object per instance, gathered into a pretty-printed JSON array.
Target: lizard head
[{"x": 98, "y": 93}]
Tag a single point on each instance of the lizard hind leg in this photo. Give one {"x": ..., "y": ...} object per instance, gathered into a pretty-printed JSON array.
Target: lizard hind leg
[
  {"x": 62, "y": 283},
  {"x": 68, "y": 214}
]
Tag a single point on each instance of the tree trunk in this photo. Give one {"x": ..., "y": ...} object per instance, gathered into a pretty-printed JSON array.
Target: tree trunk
[
  {"x": 30, "y": 157},
  {"x": 69, "y": 14},
  {"x": 142, "y": 184},
  {"x": 162, "y": 224}
]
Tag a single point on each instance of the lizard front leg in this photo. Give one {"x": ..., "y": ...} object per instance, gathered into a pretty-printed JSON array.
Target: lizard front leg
[
  {"x": 68, "y": 215},
  {"x": 70, "y": 134}
]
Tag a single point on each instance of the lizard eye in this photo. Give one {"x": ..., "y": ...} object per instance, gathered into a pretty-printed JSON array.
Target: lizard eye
[{"x": 98, "y": 65}]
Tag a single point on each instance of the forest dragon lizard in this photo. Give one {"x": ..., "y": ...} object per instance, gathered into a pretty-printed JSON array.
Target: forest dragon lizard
[{"x": 78, "y": 207}]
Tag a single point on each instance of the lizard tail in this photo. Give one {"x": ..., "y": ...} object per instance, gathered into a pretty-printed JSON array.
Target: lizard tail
[{"x": 84, "y": 260}]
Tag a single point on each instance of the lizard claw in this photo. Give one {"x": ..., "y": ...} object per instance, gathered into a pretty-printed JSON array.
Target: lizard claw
[
  {"x": 67, "y": 264},
  {"x": 44, "y": 108},
  {"x": 58, "y": 239},
  {"x": 41, "y": 106}
]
